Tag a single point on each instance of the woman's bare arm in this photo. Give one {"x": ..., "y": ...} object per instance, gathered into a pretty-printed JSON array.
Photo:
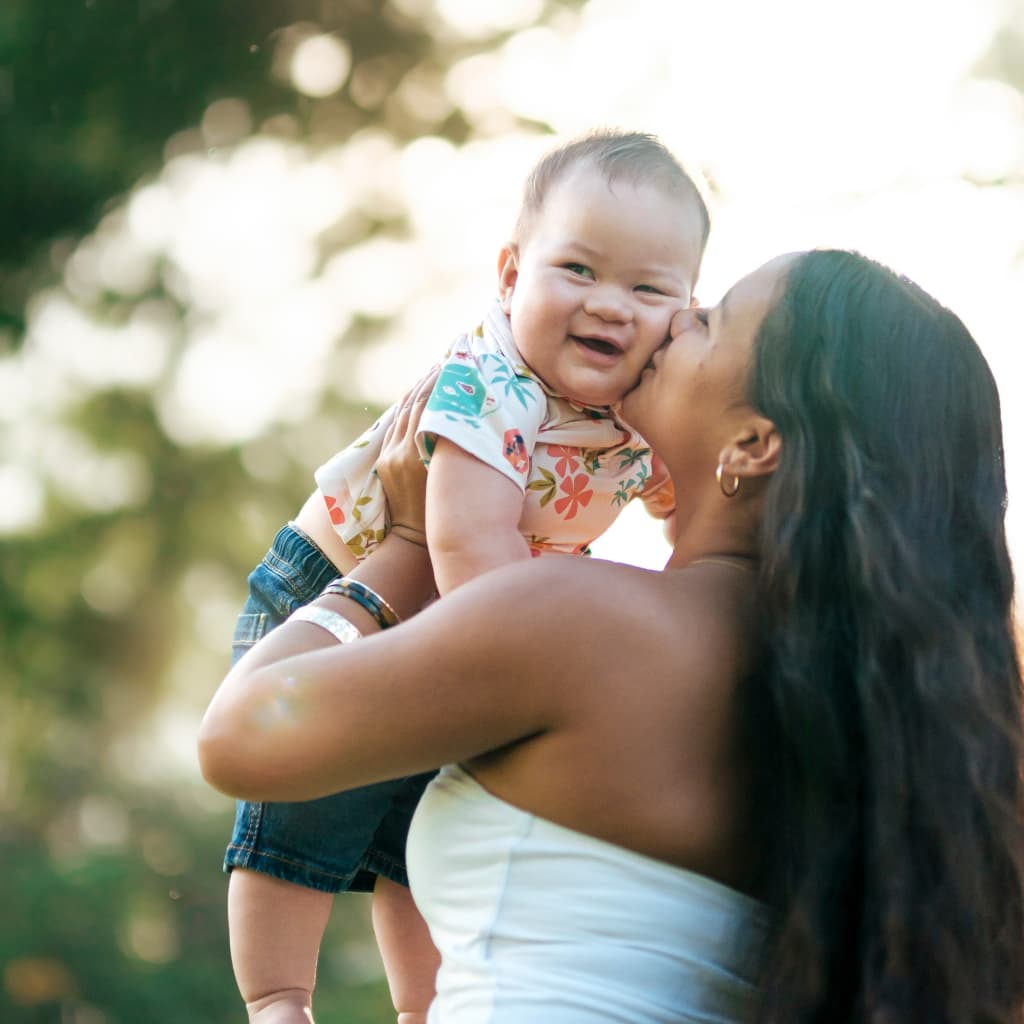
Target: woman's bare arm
[
  {"x": 301, "y": 715},
  {"x": 537, "y": 649}
]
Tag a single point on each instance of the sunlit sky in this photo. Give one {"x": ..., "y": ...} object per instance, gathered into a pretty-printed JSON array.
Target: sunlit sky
[{"x": 815, "y": 123}]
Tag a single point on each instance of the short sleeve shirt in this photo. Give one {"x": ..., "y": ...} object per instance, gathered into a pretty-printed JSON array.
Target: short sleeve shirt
[{"x": 577, "y": 466}]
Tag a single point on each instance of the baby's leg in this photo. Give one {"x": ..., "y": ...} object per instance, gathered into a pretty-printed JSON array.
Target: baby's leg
[
  {"x": 275, "y": 928},
  {"x": 410, "y": 958}
]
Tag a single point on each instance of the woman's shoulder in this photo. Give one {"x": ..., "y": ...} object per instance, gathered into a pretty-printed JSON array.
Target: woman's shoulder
[
  {"x": 630, "y": 666},
  {"x": 588, "y": 585},
  {"x": 700, "y": 618},
  {"x": 597, "y": 586}
]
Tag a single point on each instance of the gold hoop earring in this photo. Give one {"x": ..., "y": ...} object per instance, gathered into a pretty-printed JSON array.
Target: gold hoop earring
[{"x": 720, "y": 477}]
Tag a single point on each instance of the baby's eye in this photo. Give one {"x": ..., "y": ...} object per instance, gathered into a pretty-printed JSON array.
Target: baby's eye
[
  {"x": 579, "y": 269},
  {"x": 649, "y": 288}
]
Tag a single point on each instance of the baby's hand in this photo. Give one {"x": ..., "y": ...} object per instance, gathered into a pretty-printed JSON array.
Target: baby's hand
[{"x": 658, "y": 495}]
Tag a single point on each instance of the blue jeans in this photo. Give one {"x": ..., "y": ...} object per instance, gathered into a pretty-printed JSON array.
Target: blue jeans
[{"x": 336, "y": 843}]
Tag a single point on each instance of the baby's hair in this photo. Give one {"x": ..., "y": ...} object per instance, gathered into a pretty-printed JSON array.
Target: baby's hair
[{"x": 636, "y": 157}]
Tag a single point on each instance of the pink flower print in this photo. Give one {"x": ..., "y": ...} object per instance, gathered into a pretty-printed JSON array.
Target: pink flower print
[
  {"x": 568, "y": 459},
  {"x": 575, "y": 495},
  {"x": 515, "y": 451},
  {"x": 334, "y": 510}
]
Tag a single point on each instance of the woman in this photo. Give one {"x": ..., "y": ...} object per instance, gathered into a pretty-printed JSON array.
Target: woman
[{"x": 793, "y": 756}]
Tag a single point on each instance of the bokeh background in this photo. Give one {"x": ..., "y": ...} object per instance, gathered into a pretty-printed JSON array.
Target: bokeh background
[{"x": 230, "y": 232}]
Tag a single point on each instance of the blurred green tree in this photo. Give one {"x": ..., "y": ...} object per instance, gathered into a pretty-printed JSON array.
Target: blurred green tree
[
  {"x": 113, "y": 605},
  {"x": 112, "y": 896},
  {"x": 91, "y": 92}
]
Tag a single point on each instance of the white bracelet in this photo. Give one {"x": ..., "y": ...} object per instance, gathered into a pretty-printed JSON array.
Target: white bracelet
[{"x": 337, "y": 625}]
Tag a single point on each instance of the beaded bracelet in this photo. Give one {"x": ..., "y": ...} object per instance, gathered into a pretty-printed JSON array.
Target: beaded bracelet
[
  {"x": 366, "y": 598},
  {"x": 337, "y": 625}
]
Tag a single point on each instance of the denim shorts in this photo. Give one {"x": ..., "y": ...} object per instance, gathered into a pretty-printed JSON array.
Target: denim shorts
[{"x": 336, "y": 843}]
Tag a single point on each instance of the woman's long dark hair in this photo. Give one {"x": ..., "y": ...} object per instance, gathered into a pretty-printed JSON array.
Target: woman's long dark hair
[{"x": 891, "y": 709}]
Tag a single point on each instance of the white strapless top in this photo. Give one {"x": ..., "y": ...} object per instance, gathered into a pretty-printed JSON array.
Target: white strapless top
[{"x": 540, "y": 924}]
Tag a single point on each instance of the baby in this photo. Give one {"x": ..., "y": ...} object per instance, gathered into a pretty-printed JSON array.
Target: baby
[{"x": 526, "y": 457}]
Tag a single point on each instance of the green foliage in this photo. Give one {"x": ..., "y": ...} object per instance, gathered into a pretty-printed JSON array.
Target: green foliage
[
  {"x": 116, "y": 614},
  {"x": 91, "y": 91},
  {"x": 135, "y": 931},
  {"x": 115, "y": 617}
]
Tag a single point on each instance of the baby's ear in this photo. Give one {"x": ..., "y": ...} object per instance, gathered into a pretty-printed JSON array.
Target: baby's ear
[{"x": 508, "y": 274}]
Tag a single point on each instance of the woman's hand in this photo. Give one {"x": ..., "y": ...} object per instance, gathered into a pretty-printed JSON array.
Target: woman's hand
[{"x": 400, "y": 466}]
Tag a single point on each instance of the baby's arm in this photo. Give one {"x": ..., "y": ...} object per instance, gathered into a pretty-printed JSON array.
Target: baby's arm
[
  {"x": 473, "y": 513},
  {"x": 659, "y": 496}
]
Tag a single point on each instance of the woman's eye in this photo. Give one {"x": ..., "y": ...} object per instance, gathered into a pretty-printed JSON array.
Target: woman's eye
[
  {"x": 702, "y": 315},
  {"x": 580, "y": 269}
]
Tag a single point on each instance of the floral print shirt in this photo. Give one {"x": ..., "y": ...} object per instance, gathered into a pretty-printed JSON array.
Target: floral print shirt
[{"x": 577, "y": 466}]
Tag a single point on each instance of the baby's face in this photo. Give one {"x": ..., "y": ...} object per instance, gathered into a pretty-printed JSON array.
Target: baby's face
[{"x": 592, "y": 287}]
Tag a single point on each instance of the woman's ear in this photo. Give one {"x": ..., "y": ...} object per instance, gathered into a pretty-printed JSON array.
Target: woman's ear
[
  {"x": 508, "y": 274},
  {"x": 754, "y": 452}
]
